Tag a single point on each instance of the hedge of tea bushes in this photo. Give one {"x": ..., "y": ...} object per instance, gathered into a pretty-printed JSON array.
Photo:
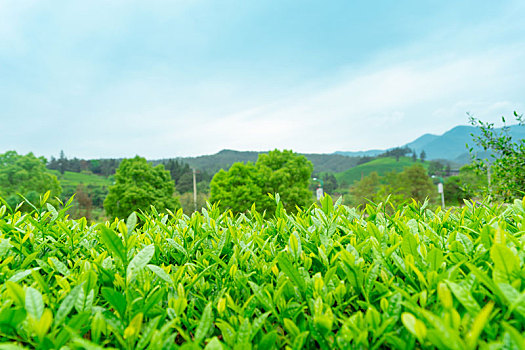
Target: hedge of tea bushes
[{"x": 327, "y": 277}]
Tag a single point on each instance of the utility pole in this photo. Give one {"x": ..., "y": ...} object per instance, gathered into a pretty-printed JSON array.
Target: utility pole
[
  {"x": 488, "y": 178},
  {"x": 194, "y": 190}
]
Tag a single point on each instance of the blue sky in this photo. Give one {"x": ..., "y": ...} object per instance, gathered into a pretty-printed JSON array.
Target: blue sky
[{"x": 182, "y": 78}]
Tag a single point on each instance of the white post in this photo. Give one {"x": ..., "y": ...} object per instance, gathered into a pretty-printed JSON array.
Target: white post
[
  {"x": 194, "y": 190},
  {"x": 440, "y": 190}
]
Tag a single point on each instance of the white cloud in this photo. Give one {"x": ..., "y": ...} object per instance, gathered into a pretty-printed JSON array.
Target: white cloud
[
  {"x": 399, "y": 103},
  {"x": 159, "y": 111}
]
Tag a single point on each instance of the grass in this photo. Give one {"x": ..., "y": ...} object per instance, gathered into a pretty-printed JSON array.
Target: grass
[{"x": 72, "y": 179}]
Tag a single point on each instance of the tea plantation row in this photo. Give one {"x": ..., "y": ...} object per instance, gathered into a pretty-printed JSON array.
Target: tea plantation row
[{"x": 326, "y": 277}]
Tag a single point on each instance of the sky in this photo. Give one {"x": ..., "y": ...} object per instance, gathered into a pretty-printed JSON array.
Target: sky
[{"x": 161, "y": 79}]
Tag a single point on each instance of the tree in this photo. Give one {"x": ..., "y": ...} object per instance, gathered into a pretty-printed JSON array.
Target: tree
[
  {"x": 416, "y": 183},
  {"x": 238, "y": 188},
  {"x": 436, "y": 168},
  {"x": 365, "y": 190},
  {"x": 414, "y": 156},
  {"x": 396, "y": 152},
  {"x": 473, "y": 182},
  {"x": 412, "y": 183},
  {"x": 62, "y": 162},
  {"x": 137, "y": 186},
  {"x": 282, "y": 172},
  {"x": 422, "y": 156},
  {"x": 188, "y": 205},
  {"x": 288, "y": 174},
  {"x": 454, "y": 191},
  {"x": 84, "y": 203},
  {"x": 330, "y": 183},
  {"x": 185, "y": 183},
  {"x": 447, "y": 169},
  {"x": 26, "y": 175},
  {"x": 507, "y": 162}
]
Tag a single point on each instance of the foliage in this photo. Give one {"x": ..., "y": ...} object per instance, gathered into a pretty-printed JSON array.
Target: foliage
[
  {"x": 436, "y": 167},
  {"x": 330, "y": 185},
  {"x": 507, "y": 158},
  {"x": 182, "y": 174},
  {"x": 188, "y": 205},
  {"x": 454, "y": 191},
  {"x": 396, "y": 152},
  {"x": 104, "y": 167},
  {"x": 27, "y": 176},
  {"x": 95, "y": 186},
  {"x": 138, "y": 186},
  {"x": 412, "y": 183},
  {"x": 416, "y": 184},
  {"x": 365, "y": 190},
  {"x": 423, "y": 156},
  {"x": 327, "y": 277},
  {"x": 282, "y": 172},
  {"x": 226, "y": 158},
  {"x": 288, "y": 174},
  {"x": 469, "y": 184},
  {"x": 238, "y": 188},
  {"x": 473, "y": 182},
  {"x": 84, "y": 204},
  {"x": 381, "y": 165}
]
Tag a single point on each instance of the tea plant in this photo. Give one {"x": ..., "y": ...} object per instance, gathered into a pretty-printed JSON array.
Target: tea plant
[{"x": 326, "y": 277}]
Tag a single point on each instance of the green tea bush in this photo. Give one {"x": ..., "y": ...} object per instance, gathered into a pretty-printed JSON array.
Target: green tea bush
[{"x": 326, "y": 277}]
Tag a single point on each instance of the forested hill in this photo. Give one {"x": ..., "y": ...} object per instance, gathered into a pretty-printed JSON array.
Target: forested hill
[
  {"x": 225, "y": 158},
  {"x": 450, "y": 146}
]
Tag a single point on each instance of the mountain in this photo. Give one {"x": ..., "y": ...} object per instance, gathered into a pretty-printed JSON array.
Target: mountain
[
  {"x": 369, "y": 153},
  {"x": 421, "y": 141},
  {"x": 225, "y": 158},
  {"x": 452, "y": 144}
]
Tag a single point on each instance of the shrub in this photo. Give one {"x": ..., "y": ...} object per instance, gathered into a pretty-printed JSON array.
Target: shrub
[{"x": 326, "y": 277}]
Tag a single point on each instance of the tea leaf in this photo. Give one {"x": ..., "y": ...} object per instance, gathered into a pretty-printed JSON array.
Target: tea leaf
[
  {"x": 205, "y": 324},
  {"x": 286, "y": 266},
  {"x": 34, "y": 303},
  {"x": 140, "y": 261},
  {"x": 67, "y": 305},
  {"x": 464, "y": 297},
  {"x": 113, "y": 243}
]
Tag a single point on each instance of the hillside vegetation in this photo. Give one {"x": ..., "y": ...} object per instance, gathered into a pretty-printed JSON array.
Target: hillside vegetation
[
  {"x": 379, "y": 165},
  {"x": 226, "y": 158},
  {"x": 326, "y": 277},
  {"x": 70, "y": 180},
  {"x": 452, "y": 144}
]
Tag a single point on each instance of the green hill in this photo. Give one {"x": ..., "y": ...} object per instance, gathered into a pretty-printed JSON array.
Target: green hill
[
  {"x": 96, "y": 186},
  {"x": 381, "y": 165},
  {"x": 452, "y": 144},
  {"x": 225, "y": 158},
  {"x": 72, "y": 179}
]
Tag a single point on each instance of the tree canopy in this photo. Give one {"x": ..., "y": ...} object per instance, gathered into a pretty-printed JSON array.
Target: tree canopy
[
  {"x": 283, "y": 172},
  {"x": 137, "y": 186},
  {"x": 412, "y": 183},
  {"x": 507, "y": 158},
  {"x": 25, "y": 175},
  {"x": 239, "y": 188}
]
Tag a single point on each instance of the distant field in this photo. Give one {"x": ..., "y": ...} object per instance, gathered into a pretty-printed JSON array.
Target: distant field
[
  {"x": 71, "y": 179},
  {"x": 381, "y": 165},
  {"x": 96, "y": 185}
]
